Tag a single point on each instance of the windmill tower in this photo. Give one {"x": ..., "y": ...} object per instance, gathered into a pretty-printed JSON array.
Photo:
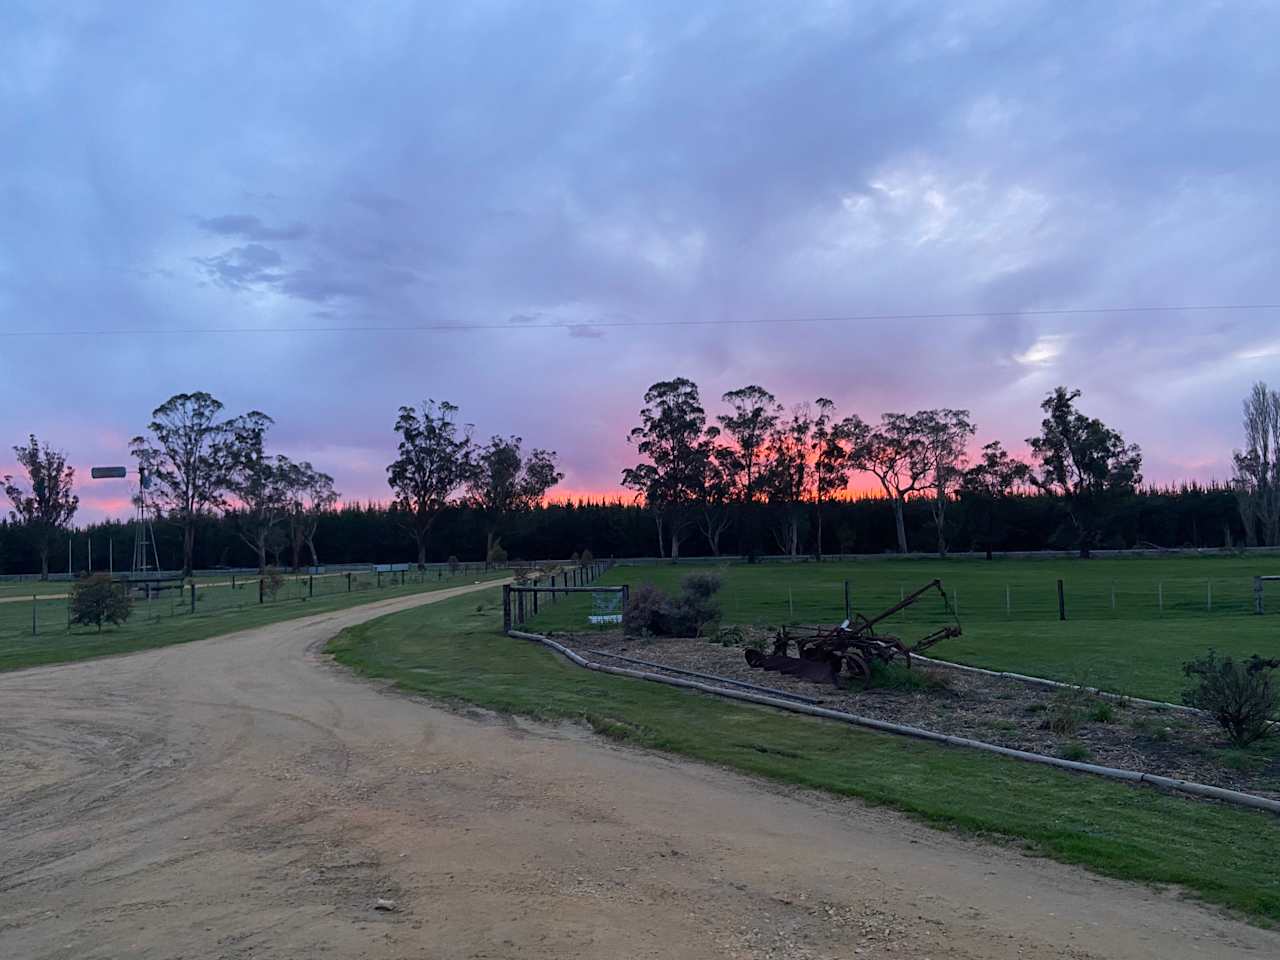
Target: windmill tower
[{"x": 145, "y": 556}]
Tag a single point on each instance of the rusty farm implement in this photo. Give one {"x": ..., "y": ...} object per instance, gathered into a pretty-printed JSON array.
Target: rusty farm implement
[{"x": 851, "y": 647}]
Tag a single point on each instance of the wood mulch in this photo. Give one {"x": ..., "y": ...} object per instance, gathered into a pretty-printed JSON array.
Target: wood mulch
[{"x": 1010, "y": 713}]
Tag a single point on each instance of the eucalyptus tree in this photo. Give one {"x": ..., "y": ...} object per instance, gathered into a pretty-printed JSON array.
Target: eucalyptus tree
[
  {"x": 671, "y": 436},
  {"x": 1256, "y": 469},
  {"x": 47, "y": 506},
  {"x": 789, "y": 475},
  {"x": 754, "y": 413},
  {"x": 986, "y": 488},
  {"x": 895, "y": 453},
  {"x": 830, "y": 446},
  {"x": 507, "y": 481},
  {"x": 257, "y": 482},
  {"x": 184, "y": 462},
  {"x": 1085, "y": 463},
  {"x": 944, "y": 435},
  {"x": 715, "y": 490},
  {"x": 435, "y": 459},
  {"x": 310, "y": 495}
]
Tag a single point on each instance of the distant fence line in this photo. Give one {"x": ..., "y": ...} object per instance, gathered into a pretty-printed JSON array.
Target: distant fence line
[
  {"x": 702, "y": 560},
  {"x": 327, "y": 568}
]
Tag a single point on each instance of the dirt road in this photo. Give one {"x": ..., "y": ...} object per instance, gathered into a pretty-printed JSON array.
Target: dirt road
[{"x": 242, "y": 797}]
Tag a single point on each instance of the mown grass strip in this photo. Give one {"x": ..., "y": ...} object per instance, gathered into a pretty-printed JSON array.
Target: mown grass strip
[{"x": 455, "y": 651}]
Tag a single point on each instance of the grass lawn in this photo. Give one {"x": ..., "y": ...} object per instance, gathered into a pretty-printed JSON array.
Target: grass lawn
[
  {"x": 454, "y": 651},
  {"x": 1131, "y": 622},
  {"x": 218, "y": 610}
]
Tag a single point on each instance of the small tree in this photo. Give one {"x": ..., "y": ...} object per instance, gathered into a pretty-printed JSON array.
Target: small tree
[
  {"x": 96, "y": 599},
  {"x": 434, "y": 462},
  {"x": 1241, "y": 696},
  {"x": 49, "y": 506},
  {"x": 1084, "y": 462}
]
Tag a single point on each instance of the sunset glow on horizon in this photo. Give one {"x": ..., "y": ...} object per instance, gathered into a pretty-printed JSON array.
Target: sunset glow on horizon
[{"x": 540, "y": 212}]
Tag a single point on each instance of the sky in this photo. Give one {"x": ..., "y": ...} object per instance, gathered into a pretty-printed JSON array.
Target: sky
[{"x": 580, "y": 199}]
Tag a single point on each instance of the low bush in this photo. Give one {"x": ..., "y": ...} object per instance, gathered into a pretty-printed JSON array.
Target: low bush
[
  {"x": 1241, "y": 695},
  {"x": 272, "y": 582},
  {"x": 1075, "y": 750},
  {"x": 692, "y": 613},
  {"x": 646, "y": 610},
  {"x": 731, "y": 637},
  {"x": 96, "y": 600},
  {"x": 1102, "y": 712},
  {"x": 898, "y": 676}
]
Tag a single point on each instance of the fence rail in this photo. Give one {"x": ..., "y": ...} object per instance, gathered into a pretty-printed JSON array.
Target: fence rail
[{"x": 553, "y": 584}]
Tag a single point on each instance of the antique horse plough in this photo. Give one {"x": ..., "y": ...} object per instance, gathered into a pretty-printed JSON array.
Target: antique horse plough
[{"x": 851, "y": 647}]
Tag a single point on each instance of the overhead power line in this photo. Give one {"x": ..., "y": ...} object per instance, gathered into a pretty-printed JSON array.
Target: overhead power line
[{"x": 617, "y": 324}]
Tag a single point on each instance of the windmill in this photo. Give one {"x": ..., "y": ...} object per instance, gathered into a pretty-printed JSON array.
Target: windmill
[{"x": 145, "y": 556}]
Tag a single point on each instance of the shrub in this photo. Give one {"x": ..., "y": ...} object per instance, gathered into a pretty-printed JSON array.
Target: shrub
[
  {"x": 496, "y": 553},
  {"x": 898, "y": 676},
  {"x": 1103, "y": 712},
  {"x": 97, "y": 599},
  {"x": 1075, "y": 750},
  {"x": 272, "y": 582},
  {"x": 1241, "y": 695},
  {"x": 701, "y": 585},
  {"x": 731, "y": 637},
  {"x": 646, "y": 610},
  {"x": 586, "y": 557},
  {"x": 691, "y": 613}
]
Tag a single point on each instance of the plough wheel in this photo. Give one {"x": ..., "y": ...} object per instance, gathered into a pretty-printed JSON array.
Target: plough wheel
[{"x": 858, "y": 668}]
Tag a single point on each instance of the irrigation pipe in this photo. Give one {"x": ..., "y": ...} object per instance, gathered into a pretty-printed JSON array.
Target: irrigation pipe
[
  {"x": 707, "y": 676},
  {"x": 1129, "y": 776}
]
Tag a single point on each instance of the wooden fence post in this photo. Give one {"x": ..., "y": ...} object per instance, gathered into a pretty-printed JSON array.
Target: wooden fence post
[
  {"x": 506, "y": 608},
  {"x": 1062, "y": 602}
]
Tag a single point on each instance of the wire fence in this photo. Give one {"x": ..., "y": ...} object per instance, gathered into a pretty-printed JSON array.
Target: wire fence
[
  {"x": 754, "y": 599},
  {"x": 159, "y": 600}
]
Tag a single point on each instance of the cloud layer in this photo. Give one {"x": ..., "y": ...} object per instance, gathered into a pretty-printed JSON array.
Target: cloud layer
[{"x": 258, "y": 167}]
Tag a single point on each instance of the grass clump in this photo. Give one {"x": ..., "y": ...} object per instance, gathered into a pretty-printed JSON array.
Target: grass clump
[
  {"x": 898, "y": 676},
  {"x": 1075, "y": 750}
]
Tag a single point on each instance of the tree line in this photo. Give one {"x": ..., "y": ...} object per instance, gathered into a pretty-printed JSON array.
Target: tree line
[
  {"x": 770, "y": 470},
  {"x": 752, "y": 479},
  {"x": 199, "y": 469}
]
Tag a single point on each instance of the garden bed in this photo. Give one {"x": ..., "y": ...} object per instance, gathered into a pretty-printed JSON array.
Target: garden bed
[{"x": 1010, "y": 713}]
